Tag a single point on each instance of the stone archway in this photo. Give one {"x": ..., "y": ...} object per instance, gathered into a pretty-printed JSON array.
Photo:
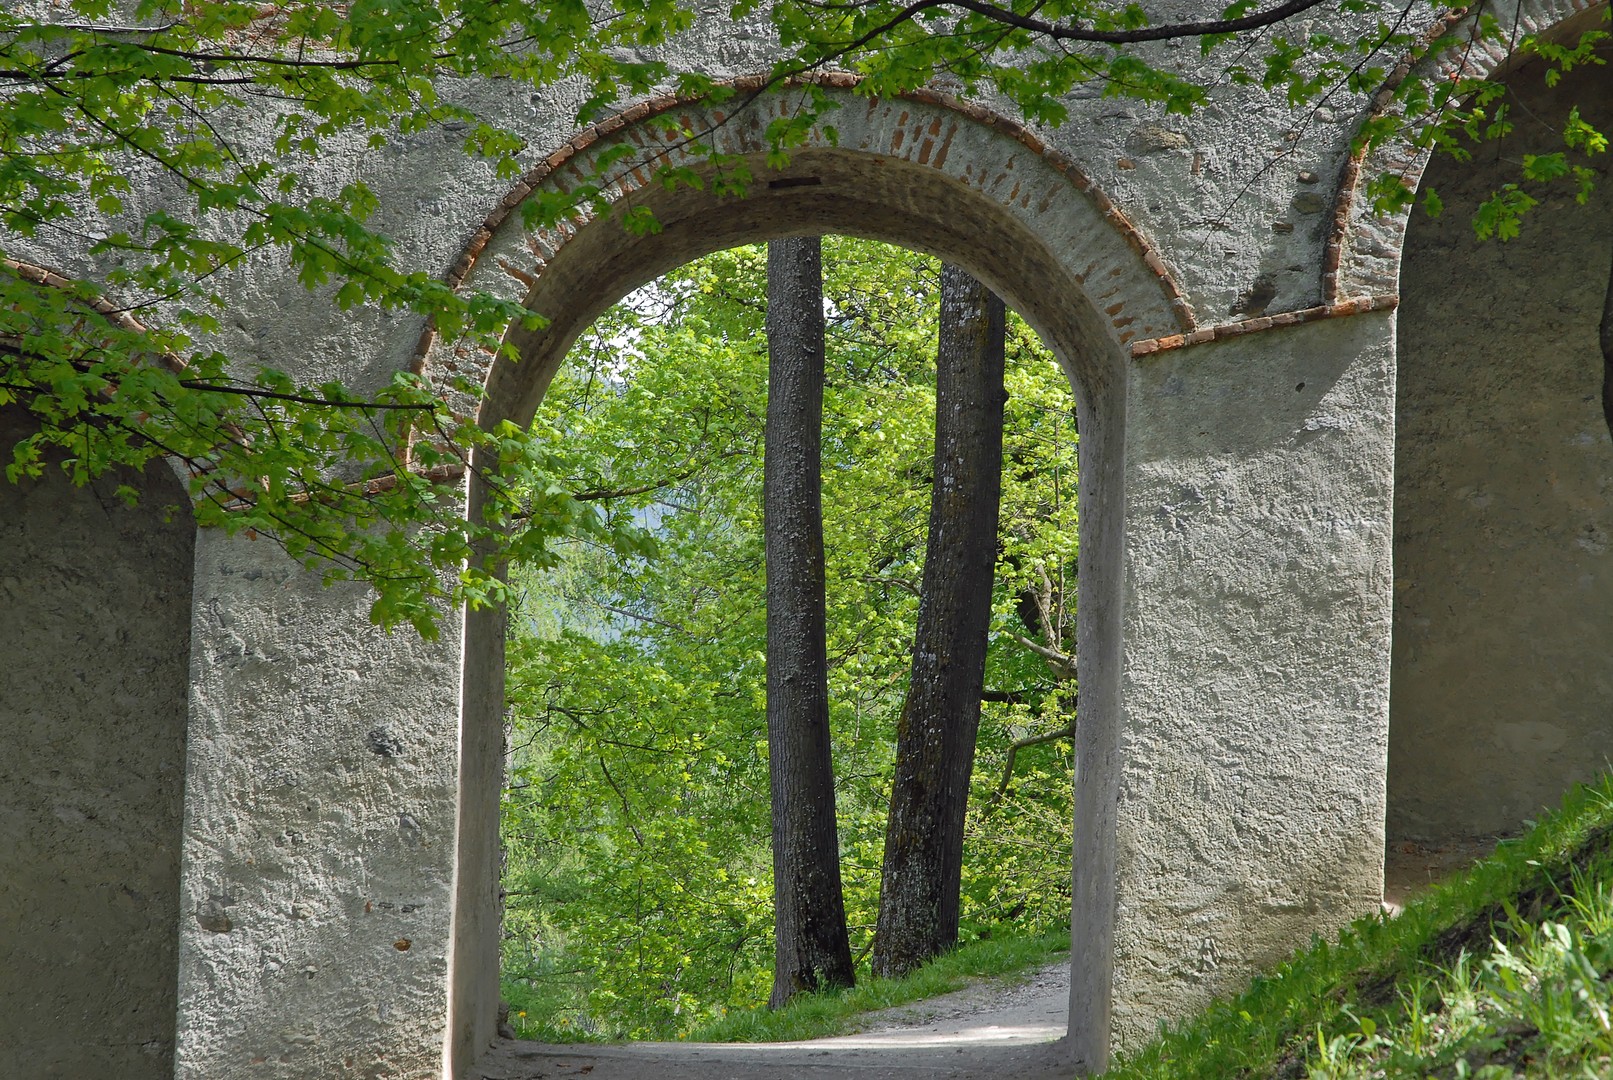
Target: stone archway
[{"x": 925, "y": 172}]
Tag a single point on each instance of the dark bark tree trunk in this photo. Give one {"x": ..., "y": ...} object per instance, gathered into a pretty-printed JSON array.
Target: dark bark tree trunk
[
  {"x": 1607, "y": 355},
  {"x": 935, "y": 738},
  {"x": 812, "y": 950}
]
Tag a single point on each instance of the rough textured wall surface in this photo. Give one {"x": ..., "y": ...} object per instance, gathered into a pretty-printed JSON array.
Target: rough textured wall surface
[
  {"x": 320, "y": 829},
  {"x": 94, "y": 665},
  {"x": 1503, "y": 631},
  {"x": 1255, "y": 697}
]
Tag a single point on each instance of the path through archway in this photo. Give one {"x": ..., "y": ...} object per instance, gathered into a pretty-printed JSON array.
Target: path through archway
[{"x": 922, "y": 173}]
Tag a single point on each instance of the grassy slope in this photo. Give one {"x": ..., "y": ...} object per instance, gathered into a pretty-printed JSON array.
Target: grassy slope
[{"x": 1502, "y": 971}]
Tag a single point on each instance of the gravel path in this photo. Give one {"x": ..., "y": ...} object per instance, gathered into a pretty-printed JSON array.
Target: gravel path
[{"x": 988, "y": 1031}]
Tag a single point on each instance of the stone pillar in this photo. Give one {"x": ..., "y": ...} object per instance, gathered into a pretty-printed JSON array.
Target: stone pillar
[
  {"x": 1503, "y": 525},
  {"x": 320, "y": 829},
  {"x": 95, "y": 609},
  {"x": 1255, "y": 686}
]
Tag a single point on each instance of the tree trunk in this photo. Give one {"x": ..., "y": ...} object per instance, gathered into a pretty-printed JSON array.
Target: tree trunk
[
  {"x": 1607, "y": 355},
  {"x": 812, "y": 950},
  {"x": 935, "y": 738}
]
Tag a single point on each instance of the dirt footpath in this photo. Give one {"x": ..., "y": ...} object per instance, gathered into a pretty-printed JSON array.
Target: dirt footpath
[{"x": 989, "y": 1031}]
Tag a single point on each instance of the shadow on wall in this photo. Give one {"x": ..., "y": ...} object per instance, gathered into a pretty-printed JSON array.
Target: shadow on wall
[
  {"x": 1502, "y": 681},
  {"x": 95, "y": 616}
]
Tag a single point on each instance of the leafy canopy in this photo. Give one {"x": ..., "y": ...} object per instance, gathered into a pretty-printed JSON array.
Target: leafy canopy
[{"x": 119, "y": 359}]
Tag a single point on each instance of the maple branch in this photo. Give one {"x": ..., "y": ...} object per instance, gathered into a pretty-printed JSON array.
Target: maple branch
[{"x": 1077, "y": 32}]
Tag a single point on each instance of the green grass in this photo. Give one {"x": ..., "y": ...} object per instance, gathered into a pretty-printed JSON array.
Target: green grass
[
  {"x": 812, "y": 1016},
  {"x": 552, "y": 1009},
  {"x": 1505, "y": 970}
]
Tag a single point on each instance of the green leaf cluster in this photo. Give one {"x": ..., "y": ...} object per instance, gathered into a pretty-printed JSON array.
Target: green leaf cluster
[{"x": 96, "y": 97}]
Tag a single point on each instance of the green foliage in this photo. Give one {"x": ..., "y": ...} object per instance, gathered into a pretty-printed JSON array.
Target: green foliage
[
  {"x": 1500, "y": 971},
  {"x": 352, "y": 485},
  {"x": 97, "y": 96},
  {"x": 638, "y": 683},
  {"x": 1457, "y": 114}
]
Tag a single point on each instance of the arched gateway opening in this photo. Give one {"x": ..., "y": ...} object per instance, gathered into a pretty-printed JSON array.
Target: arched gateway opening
[{"x": 925, "y": 173}]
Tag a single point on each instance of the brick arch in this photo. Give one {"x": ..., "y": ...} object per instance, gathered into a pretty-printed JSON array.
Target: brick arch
[
  {"x": 100, "y": 305},
  {"x": 1032, "y": 190},
  {"x": 925, "y": 171},
  {"x": 1363, "y": 251}
]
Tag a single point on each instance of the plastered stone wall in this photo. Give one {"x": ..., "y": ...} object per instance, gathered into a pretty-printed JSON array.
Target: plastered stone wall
[
  {"x": 1503, "y": 626},
  {"x": 1250, "y": 810},
  {"x": 94, "y": 668},
  {"x": 320, "y": 829}
]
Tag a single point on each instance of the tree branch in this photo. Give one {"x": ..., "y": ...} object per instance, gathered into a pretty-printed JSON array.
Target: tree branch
[
  {"x": 1167, "y": 32},
  {"x": 602, "y": 494},
  {"x": 652, "y": 620},
  {"x": 1065, "y": 732},
  {"x": 1077, "y": 32},
  {"x": 1012, "y": 697},
  {"x": 96, "y": 28},
  {"x": 299, "y": 399},
  {"x": 627, "y": 809},
  {"x": 895, "y": 583},
  {"x": 1063, "y": 666}
]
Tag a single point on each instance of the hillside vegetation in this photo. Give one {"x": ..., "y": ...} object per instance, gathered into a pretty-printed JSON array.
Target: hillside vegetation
[{"x": 1505, "y": 970}]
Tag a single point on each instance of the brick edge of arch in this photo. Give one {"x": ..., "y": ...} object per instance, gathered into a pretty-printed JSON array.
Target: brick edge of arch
[
  {"x": 1480, "y": 59},
  {"x": 1477, "y": 59},
  {"x": 50, "y": 279},
  {"x": 1175, "y": 297}
]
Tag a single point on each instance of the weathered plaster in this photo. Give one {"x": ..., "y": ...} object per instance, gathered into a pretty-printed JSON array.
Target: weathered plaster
[
  {"x": 320, "y": 829},
  {"x": 1504, "y": 507},
  {"x": 94, "y": 661},
  {"x": 1255, "y": 696}
]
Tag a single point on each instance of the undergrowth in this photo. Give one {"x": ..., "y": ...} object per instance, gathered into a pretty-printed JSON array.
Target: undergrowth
[{"x": 1505, "y": 970}]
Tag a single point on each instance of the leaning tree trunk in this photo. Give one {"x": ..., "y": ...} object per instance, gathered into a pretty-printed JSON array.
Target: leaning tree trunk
[
  {"x": 1607, "y": 355},
  {"x": 812, "y": 950},
  {"x": 935, "y": 737}
]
